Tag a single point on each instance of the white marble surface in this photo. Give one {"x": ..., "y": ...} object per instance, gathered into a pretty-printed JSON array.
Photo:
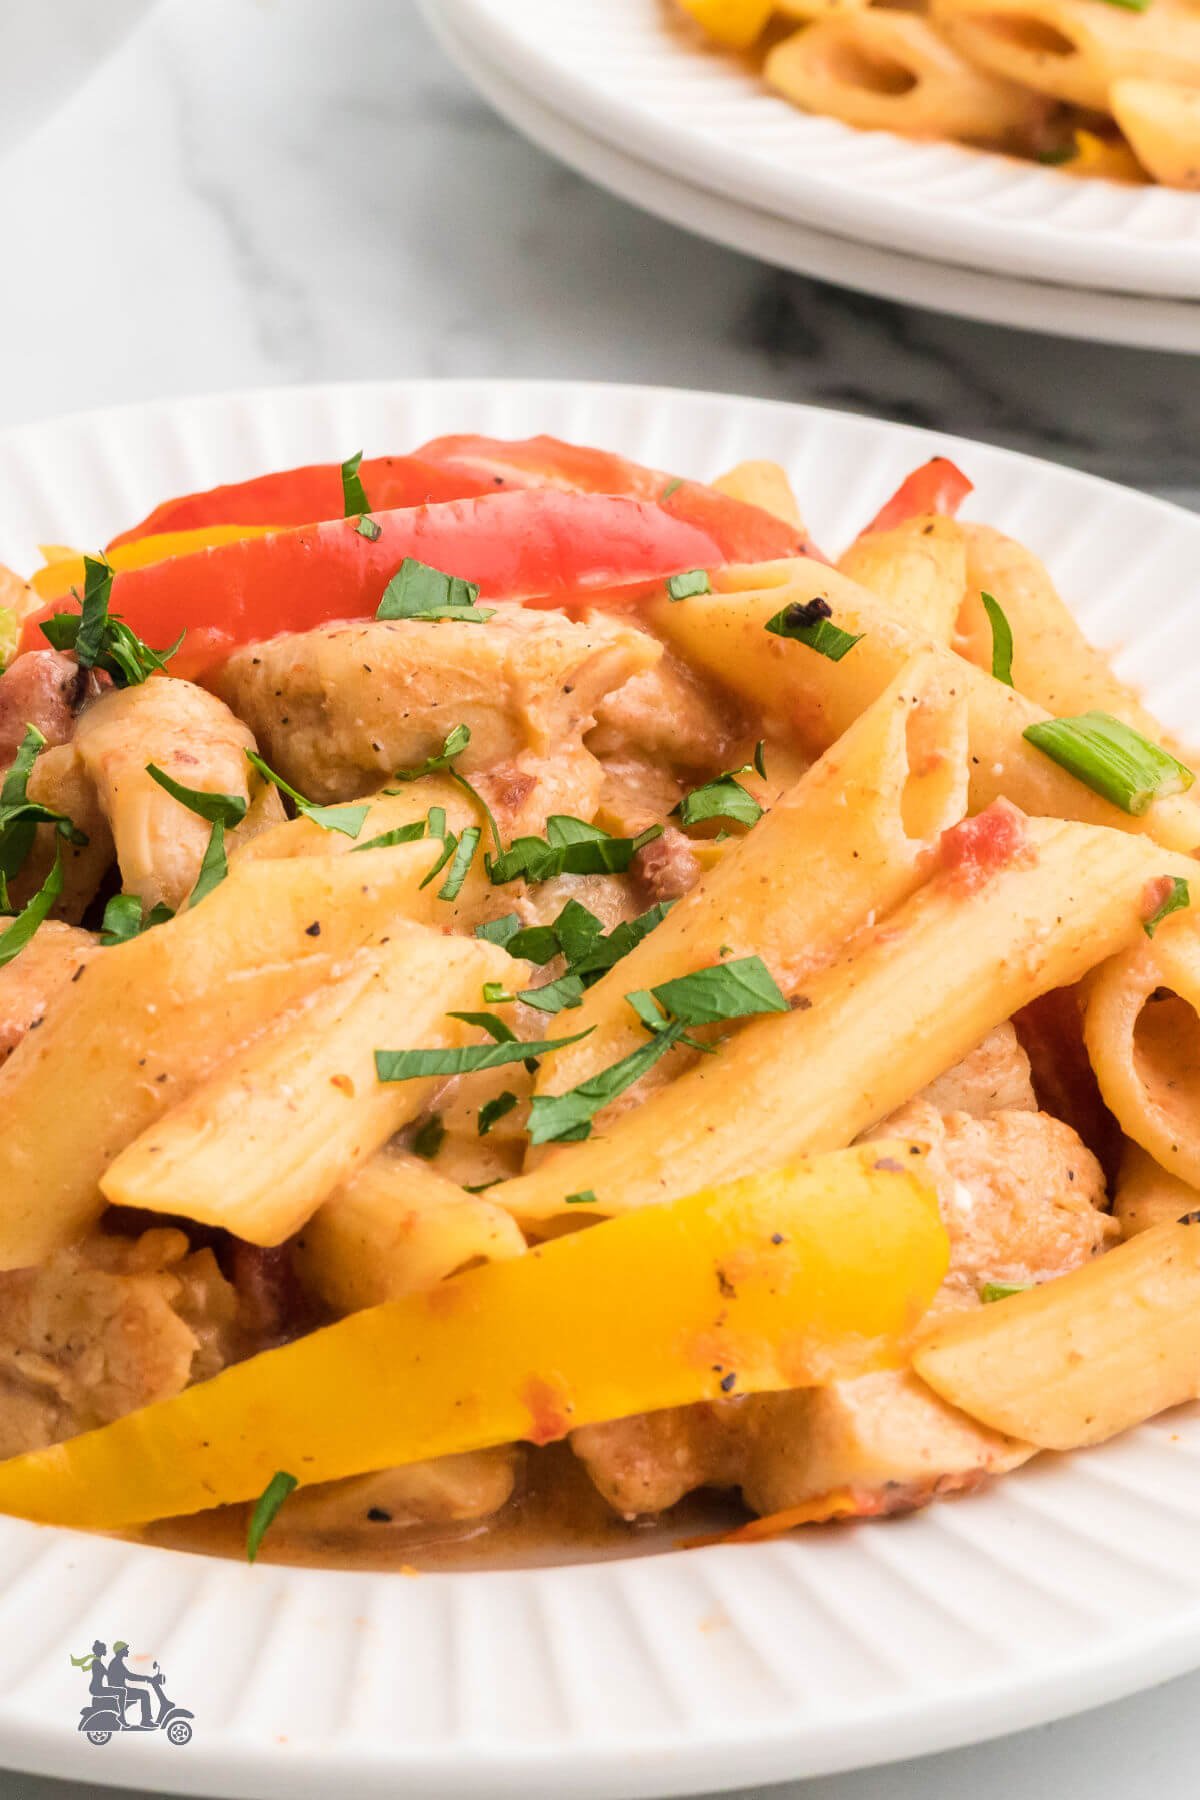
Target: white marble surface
[{"x": 262, "y": 191}]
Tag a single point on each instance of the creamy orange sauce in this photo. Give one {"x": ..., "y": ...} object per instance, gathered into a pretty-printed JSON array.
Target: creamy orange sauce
[{"x": 555, "y": 1516}]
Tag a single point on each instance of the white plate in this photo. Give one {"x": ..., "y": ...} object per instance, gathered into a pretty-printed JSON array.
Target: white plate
[
  {"x": 1068, "y": 1584},
  {"x": 621, "y": 70},
  {"x": 1031, "y": 305}
]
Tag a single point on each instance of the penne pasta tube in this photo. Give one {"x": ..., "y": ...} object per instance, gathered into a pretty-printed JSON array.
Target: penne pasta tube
[
  {"x": 815, "y": 699},
  {"x": 847, "y": 843},
  {"x": 762, "y": 484},
  {"x": 1143, "y": 1038},
  {"x": 1146, "y": 1195},
  {"x": 1161, "y": 119},
  {"x": 1074, "y": 49},
  {"x": 897, "y": 1008},
  {"x": 258, "y": 1147},
  {"x": 1054, "y": 665},
  {"x": 892, "y": 71},
  {"x": 398, "y": 1227},
  {"x": 811, "y": 1274},
  {"x": 919, "y": 569},
  {"x": 1078, "y": 1359},
  {"x": 151, "y": 1018}
]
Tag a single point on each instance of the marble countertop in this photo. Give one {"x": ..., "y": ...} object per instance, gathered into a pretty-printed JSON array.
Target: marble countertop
[{"x": 264, "y": 191}]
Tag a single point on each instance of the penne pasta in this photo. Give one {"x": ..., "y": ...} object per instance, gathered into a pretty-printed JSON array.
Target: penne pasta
[
  {"x": 869, "y": 1030},
  {"x": 1147, "y": 1195},
  {"x": 919, "y": 569},
  {"x": 1161, "y": 119},
  {"x": 762, "y": 484}
]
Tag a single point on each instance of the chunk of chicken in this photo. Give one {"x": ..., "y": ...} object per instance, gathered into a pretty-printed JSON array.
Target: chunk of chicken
[
  {"x": 447, "y": 1491},
  {"x": 193, "y": 737},
  {"x": 667, "y": 712},
  {"x": 1020, "y": 1195},
  {"x": 49, "y": 962},
  {"x": 994, "y": 1077},
  {"x": 107, "y": 1326},
  {"x": 60, "y": 781},
  {"x": 340, "y": 709}
]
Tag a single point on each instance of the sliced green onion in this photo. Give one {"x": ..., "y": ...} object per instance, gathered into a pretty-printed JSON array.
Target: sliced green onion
[
  {"x": 683, "y": 587},
  {"x": 1002, "y": 640},
  {"x": 266, "y": 1510},
  {"x": 809, "y": 622},
  {"x": 354, "y": 495},
  {"x": 1112, "y": 759}
]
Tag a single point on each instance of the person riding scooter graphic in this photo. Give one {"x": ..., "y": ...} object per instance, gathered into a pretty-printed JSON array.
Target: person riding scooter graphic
[{"x": 113, "y": 1693}]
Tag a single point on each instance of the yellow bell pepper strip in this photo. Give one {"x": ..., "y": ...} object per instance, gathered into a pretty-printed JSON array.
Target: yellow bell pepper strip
[
  {"x": 64, "y": 568},
  {"x": 738, "y": 23},
  {"x": 812, "y": 1273}
]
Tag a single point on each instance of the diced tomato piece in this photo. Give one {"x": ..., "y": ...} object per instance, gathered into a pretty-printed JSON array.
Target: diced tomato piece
[
  {"x": 938, "y": 486},
  {"x": 305, "y": 496},
  {"x": 977, "y": 848},
  {"x": 537, "y": 544}
]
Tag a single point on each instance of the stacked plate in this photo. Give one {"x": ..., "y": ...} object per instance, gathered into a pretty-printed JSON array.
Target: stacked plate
[{"x": 616, "y": 90}]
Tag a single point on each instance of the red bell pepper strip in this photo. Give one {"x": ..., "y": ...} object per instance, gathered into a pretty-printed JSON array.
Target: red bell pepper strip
[
  {"x": 938, "y": 486},
  {"x": 537, "y": 544},
  {"x": 303, "y": 496},
  {"x": 745, "y": 533}
]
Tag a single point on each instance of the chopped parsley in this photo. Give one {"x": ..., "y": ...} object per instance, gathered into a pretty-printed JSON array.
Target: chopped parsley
[
  {"x": 214, "y": 868},
  {"x": 1002, "y": 640},
  {"x": 102, "y": 640},
  {"x": 125, "y": 918},
  {"x": 570, "y": 847},
  {"x": 1112, "y": 759},
  {"x": 1177, "y": 897},
  {"x": 33, "y": 914},
  {"x": 672, "y": 487},
  {"x": 230, "y": 809},
  {"x": 585, "y": 1197},
  {"x": 992, "y": 1291},
  {"x": 429, "y": 1137},
  {"x": 347, "y": 820},
  {"x": 20, "y": 816},
  {"x": 443, "y": 763},
  {"x": 494, "y": 1110},
  {"x": 724, "y": 798},
  {"x": 500, "y": 931},
  {"x": 418, "y": 592},
  {"x": 354, "y": 494},
  {"x": 369, "y": 528},
  {"x": 810, "y": 622},
  {"x": 464, "y": 853},
  {"x": 266, "y": 1510},
  {"x": 463, "y": 1059}
]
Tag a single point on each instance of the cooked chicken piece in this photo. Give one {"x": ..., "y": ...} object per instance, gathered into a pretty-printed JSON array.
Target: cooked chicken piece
[
  {"x": 48, "y": 963},
  {"x": 523, "y": 792},
  {"x": 449, "y": 1490},
  {"x": 1020, "y": 1195},
  {"x": 107, "y": 1326},
  {"x": 45, "y": 688},
  {"x": 669, "y": 713},
  {"x": 668, "y": 868},
  {"x": 994, "y": 1077},
  {"x": 636, "y": 792},
  {"x": 340, "y": 709},
  {"x": 60, "y": 781},
  {"x": 191, "y": 736}
]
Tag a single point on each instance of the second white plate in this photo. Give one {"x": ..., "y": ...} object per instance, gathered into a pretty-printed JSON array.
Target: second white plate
[{"x": 619, "y": 70}]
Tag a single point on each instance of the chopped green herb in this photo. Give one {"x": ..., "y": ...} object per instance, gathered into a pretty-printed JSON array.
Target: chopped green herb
[
  {"x": 33, "y": 914},
  {"x": 1178, "y": 896},
  {"x": 354, "y": 495},
  {"x": 1065, "y": 153},
  {"x": 567, "y": 1118},
  {"x": 672, "y": 487},
  {"x": 418, "y": 592},
  {"x": 124, "y": 919},
  {"x": 429, "y": 1137},
  {"x": 465, "y": 1059},
  {"x": 387, "y": 840},
  {"x": 683, "y": 587},
  {"x": 554, "y": 996},
  {"x": 1112, "y": 759},
  {"x": 570, "y": 847},
  {"x": 230, "y": 809},
  {"x": 369, "y": 528},
  {"x": 585, "y": 1197},
  {"x": 1131, "y": 5},
  {"x": 1002, "y": 640},
  {"x": 468, "y": 843},
  {"x": 266, "y": 1510},
  {"x": 724, "y": 798},
  {"x": 500, "y": 931},
  {"x": 456, "y": 742},
  {"x": 809, "y": 622},
  {"x": 494, "y": 994},
  {"x": 533, "y": 943},
  {"x": 348, "y": 821},
  {"x": 102, "y": 640},
  {"x": 493, "y": 1110},
  {"x": 729, "y": 990},
  {"x": 760, "y": 757},
  {"x": 214, "y": 868},
  {"x": 992, "y": 1291},
  {"x": 20, "y": 816}
]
